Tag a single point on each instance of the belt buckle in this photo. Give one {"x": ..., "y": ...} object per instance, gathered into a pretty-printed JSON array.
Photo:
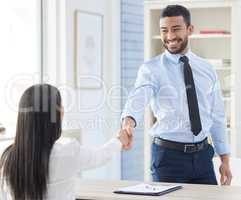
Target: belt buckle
[{"x": 189, "y": 148}]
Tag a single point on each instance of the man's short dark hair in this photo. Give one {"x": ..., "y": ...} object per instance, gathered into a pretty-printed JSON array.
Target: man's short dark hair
[{"x": 177, "y": 10}]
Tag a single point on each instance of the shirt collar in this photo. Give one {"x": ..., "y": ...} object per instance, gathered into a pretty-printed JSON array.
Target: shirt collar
[{"x": 175, "y": 57}]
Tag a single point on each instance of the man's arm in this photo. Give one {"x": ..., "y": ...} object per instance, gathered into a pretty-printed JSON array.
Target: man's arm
[
  {"x": 144, "y": 89},
  {"x": 219, "y": 137}
]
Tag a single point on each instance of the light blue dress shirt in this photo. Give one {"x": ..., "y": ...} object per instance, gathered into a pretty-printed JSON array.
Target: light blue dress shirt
[{"x": 160, "y": 82}]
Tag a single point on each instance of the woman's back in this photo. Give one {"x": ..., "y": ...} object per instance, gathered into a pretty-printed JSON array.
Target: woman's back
[
  {"x": 25, "y": 164},
  {"x": 63, "y": 169},
  {"x": 67, "y": 159}
]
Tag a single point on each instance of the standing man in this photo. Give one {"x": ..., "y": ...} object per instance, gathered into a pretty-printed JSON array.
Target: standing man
[{"x": 186, "y": 100}]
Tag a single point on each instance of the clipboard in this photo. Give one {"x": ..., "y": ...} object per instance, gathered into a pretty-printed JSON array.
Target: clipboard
[{"x": 149, "y": 190}]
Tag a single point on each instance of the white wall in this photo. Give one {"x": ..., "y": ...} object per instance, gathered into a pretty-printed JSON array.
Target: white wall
[{"x": 94, "y": 111}]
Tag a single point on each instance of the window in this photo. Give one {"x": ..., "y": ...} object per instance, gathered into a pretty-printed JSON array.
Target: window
[{"x": 20, "y": 50}]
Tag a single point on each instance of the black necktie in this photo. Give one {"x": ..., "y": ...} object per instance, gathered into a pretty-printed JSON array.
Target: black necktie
[{"x": 194, "y": 116}]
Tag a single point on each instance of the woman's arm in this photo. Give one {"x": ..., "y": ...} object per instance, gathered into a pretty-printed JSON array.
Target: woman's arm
[{"x": 94, "y": 157}]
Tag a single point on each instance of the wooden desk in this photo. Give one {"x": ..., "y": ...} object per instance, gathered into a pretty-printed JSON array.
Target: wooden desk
[{"x": 103, "y": 190}]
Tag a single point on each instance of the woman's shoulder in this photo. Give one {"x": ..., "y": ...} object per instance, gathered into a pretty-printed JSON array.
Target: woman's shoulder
[
  {"x": 66, "y": 141},
  {"x": 65, "y": 146}
]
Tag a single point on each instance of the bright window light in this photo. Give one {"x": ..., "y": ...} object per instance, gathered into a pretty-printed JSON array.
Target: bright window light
[{"x": 20, "y": 55}]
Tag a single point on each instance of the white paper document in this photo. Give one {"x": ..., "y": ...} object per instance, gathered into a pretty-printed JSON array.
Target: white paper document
[{"x": 147, "y": 189}]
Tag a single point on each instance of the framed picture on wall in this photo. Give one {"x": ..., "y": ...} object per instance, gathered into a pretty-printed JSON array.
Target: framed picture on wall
[{"x": 88, "y": 49}]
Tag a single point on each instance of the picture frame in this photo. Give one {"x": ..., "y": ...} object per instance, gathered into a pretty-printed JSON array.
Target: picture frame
[{"x": 88, "y": 50}]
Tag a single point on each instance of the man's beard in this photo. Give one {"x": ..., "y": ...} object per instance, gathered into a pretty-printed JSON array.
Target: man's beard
[{"x": 181, "y": 49}]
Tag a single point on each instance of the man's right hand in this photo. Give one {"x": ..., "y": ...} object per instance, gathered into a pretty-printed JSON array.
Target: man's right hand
[{"x": 128, "y": 125}]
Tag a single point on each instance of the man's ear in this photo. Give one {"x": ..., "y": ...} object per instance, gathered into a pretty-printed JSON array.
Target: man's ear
[{"x": 190, "y": 29}]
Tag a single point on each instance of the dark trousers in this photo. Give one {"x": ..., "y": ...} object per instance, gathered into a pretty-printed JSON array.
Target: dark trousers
[{"x": 170, "y": 165}]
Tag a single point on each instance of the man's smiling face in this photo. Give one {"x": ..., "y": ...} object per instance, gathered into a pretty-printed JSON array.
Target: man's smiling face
[{"x": 174, "y": 34}]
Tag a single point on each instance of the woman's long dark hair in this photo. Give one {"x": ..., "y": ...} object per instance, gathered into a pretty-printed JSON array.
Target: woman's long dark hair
[{"x": 25, "y": 164}]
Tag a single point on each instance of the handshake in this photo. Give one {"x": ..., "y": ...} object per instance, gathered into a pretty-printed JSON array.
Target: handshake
[
  {"x": 125, "y": 139},
  {"x": 125, "y": 135}
]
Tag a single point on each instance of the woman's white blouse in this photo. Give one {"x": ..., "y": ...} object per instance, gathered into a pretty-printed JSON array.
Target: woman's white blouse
[{"x": 67, "y": 159}]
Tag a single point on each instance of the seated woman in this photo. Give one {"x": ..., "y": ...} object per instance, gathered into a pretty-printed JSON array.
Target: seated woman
[{"x": 39, "y": 164}]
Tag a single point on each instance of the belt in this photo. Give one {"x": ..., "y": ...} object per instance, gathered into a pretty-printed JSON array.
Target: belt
[{"x": 185, "y": 147}]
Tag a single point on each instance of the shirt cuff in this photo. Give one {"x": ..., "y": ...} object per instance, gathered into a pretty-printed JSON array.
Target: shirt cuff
[
  {"x": 122, "y": 118},
  {"x": 132, "y": 116},
  {"x": 221, "y": 148}
]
